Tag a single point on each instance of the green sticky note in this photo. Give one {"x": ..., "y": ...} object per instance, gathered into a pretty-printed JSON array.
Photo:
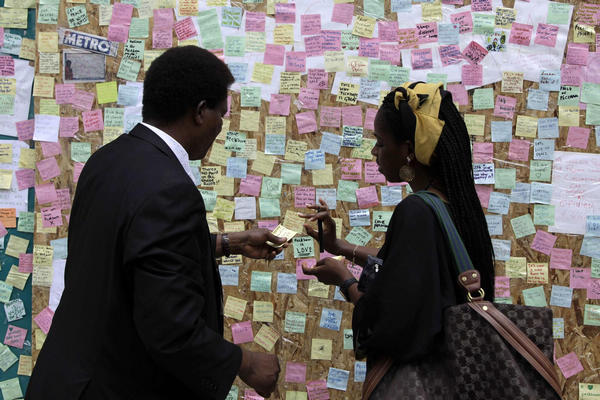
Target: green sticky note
[
  {"x": 231, "y": 17},
  {"x": 374, "y": 8},
  {"x": 558, "y": 13},
  {"x": 81, "y": 151},
  {"x": 7, "y": 104},
  {"x": 269, "y": 207},
  {"x": 349, "y": 40},
  {"x": 348, "y": 339},
  {"x": 291, "y": 174},
  {"x": 591, "y": 315},
  {"x": 505, "y": 178},
  {"x": 437, "y": 78},
  {"x": 235, "y": 46},
  {"x": 540, "y": 170},
  {"x": 195, "y": 163},
  {"x": 26, "y": 221},
  {"x": 535, "y": 297},
  {"x": 359, "y": 235},
  {"x": 483, "y": 99},
  {"x": 294, "y": 322},
  {"x": 346, "y": 190},
  {"x": 250, "y": 96},
  {"x": 398, "y": 75},
  {"x": 568, "y": 96},
  {"x": 379, "y": 70},
  {"x": 48, "y": 14},
  {"x": 522, "y": 226},
  {"x": 543, "y": 214},
  {"x": 77, "y": 16},
  {"x": 210, "y": 31},
  {"x": 5, "y": 292},
  {"x": 596, "y": 268},
  {"x": 129, "y": 69},
  {"x": 381, "y": 220},
  {"x": 235, "y": 141},
  {"x": 590, "y": 93},
  {"x": 139, "y": 28},
  {"x": 210, "y": 199},
  {"x": 304, "y": 247},
  {"x": 364, "y": 151},
  {"x": 260, "y": 281},
  {"x": 483, "y": 23},
  {"x": 233, "y": 393},
  {"x": 11, "y": 388},
  {"x": 271, "y": 187},
  {"x": 113, "y": 116},
  {"x": 592, "y": 115},
  {"x": 503, "y": 300},
  {"x": 134, "y": 49}
]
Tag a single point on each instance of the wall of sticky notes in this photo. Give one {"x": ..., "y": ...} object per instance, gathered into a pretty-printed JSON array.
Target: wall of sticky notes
[{"x": 309, "y": 77}]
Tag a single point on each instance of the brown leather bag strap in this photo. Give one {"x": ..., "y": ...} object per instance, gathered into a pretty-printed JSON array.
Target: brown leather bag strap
[
  {"x": 519, "y": 341},
  {"x": 375, "y": 375}
]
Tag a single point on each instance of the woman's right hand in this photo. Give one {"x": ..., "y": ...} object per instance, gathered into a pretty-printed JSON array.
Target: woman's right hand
[{"x": 330, "y": 242}]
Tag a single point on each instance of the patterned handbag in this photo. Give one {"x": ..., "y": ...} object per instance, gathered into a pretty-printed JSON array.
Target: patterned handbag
[{"x": 490, "y": 352}]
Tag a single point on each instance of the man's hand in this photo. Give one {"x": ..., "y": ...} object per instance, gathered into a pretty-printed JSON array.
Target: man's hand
[
  {"x": 329, "y": 271},
  {"x": 260, "y": 371},
  {"x": 253, "y": 244}
]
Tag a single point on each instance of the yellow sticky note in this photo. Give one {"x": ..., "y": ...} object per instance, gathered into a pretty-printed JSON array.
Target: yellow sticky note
[
  {"x": 225, "y": 186},
  {"x": 111, "y": 133},
  {"x": 292, "y": 394},
  {"x": 263, "y": 163},
  {"x": 249, "y": 153},
  {"x": 263, "y": 311},
  {"x": 516, "y": 267},
  {"x": 224, "y": 209},
  {"x": 283, "y": 34},
  {"x": 9, "y": 85},
  {"x": 348, "y": 93},
  {"x": 584, "y": 33},
  {"x": 255, "y": 42},
  {"x": 210, "y": 176},
  {"x": 505, "y": 17},
  {"x": 6, "y": 178},
  {"x": 320, "y": 349},
  {"x": 27, "y": 158},
  {"x": 234, "y": 308},
  {"x": 48, "y": 42},
  {"x": 188, "y": 7},
  {"x": 275, "y": 125},
  {"x": 39, "y": 226},
  {"x": 295, "y": 150},
  {"x": 537, "y": 273},
  {"x": 293, "y": 222},
  {"x": 358, "y": 66},
  {"x": 262, "y": 73},
  {"x": 42, "y": 255},
  {"x": 321, "y": 177},
  {"x": 364, "y": 26},
  {"x": 216, "y": 3},
  {"x": 13, "y": 18},
  {"x": 224, "y": 128},
  {"x": 6, "y": 153},
  {"x": 43, "y": 86},
  {"x": 49, "y": 107},
  {"x": 49, "y": 63},
  {"x": 318, "y": 289},
  {"x": 218, "y": 154},
  {"x": 237, "y": 226},
  {"x": 27, "y": 51},
  {"x": 234, "y": 259},
  {"x": 107, "y": 92},
  {"x": 568, "y": 115},
  {"x": 42, "y": 275},
  {"x": 188, "y": 42},
  {"x": 16, "y": 278},
  {"x": 40, "y": 338},
  {"x": 526, "y": 126},
  {"x": 282, "y": 231},
  {"x": 213, "y": 224},
  {"x": 431, "y": 11},
  {"x": 25, "y": 365},
  {"x": 266, "y": 337},
  {"x": 475, "y": 124},
  {"x": 512, "y": 82},
  {"x": 150, "y": 56},
  {"x": 19, "y": 3},
  {"x": 289, "y": 82},
  {"x": 249, "y": 120},
  {"x": 339, "y": 223},
  {"x": 334, "y": 61},
  {"x": 16, "y": 245}
]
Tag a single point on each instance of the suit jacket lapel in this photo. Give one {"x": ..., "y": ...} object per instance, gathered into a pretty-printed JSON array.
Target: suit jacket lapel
[{"x": 141, "y": 132}]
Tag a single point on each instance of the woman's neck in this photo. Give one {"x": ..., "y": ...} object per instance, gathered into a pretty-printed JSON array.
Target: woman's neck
[{"x": 424, "y": 180}]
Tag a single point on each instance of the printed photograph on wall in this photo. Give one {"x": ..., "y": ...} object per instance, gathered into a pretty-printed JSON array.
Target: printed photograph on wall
[{"x": 81, "y": 66}]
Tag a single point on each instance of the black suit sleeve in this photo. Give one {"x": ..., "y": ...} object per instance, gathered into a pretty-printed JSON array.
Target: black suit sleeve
[{"x": 167, "y": 263}]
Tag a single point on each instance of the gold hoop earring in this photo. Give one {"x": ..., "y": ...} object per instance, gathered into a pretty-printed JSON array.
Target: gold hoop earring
[{"x": 406, "y": 172}]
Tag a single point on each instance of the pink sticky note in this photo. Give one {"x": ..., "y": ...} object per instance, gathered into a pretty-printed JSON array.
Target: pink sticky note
[
  {"x": 368, "y": 47},
  {"x": 543, "y": 242},
  {"x": 25, "y": 129},
  {"x": 580, "y": 278},
  {"x": 92, "y": 120},
  {"x": 295, "y": 372},
  {"x": 163, "y": 18},
  {"x": 317, "y": 79},
  {"x": 483, "y": 192},
  {"x": 520, "y": 34},
  {"x": 577, "y": 53},
  {"x": 295, "y": 61},
  {"x": 269, "y": 224},
  {"x": 450, "y": 54},
  {"x": 64, "y": 199},
  {"x": 309, "y": 98},
  {"x": 546, "y": 35},
  {"x": 285, "y": 13},
  {"x": 44, "y": 319},
  {"x": 356, "y": 270},
  {"x": 372, "y": 174},
  {"x": 307, "y": 263},
  {"x": 330, "y": 116},
  {"x": 82, "y": 100},
  {"x": 303, "y": 195},
  {"x": 274, "y": 54},
  {"x": 242, "y": 332},
  {"x": 505, "y": 107},
  {"x": 352, "y": 116},
  {"x": 561, "y": 258},
  {"x": 370, "y": 119},
  {"x": 367, "y": 197},
  {"x": 421, "y": 58},
  {"x": 483, "y": 152},
  {"x": 502, "y": 286},
  {"x": 481, "y": 5},
  {"x": 68, "y": 126},
  {"x": 162, "y": 39},
  {"x": 306, "y": 122},
  {"x": 26, "y": 263},
  {"x": 48, "y": 168},
  {"x": 255, "y": 21},
  {"x": 121, "y": 14},
  {"x": 351, "y": 169},
  {"x": 77, "y": 167},
  {"x": 118, "y": 33},
  {"x": 279, "y": 104},
  {"x": 593, "y": 290},
  {"x": 518, "y": 150},
  {"x": 407, "y": 38},
  {"x": 45, "y": 193},
  {"x": 25, "y": 178},
  {"x": 185, "y": 29},
  {"x": 250, "y": 394},
  {"x": 15, "y": 336},
  {"x": 459, "y": 93},
  {"x": 50, "y": 149},
  {"x": 7, "y": 66},
  {"x": 427, "y": 32},
  {"x": 250, "y": 185},
  {"x": 310, "y": 24},
  {"x": 464, "y": 19},
  {"x": 472, "y": 74},
  {"x": 342, "y": 13},
  {"x": 332, "y": 40},
  {"x": 51, "y": 217},
  {"x": 313, "y": 45},
  {"x": 317, "y": 390},
  {"x": 578, "y": 137},
  {"x": 390, "y": 52},
  {"x": 571, "y": 75},
  {"x": 3, "y": 231},
  {"x": 474, "y": 53},
  {"x": 569, "y": 365},
  {"x": 64, "y": 92},
  {"x": 1, "y": 37},
  {"x": 388, "y": 31}
]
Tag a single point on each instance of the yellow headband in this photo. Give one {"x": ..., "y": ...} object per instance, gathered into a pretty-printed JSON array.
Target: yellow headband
[{"x": 424, "y": 100}]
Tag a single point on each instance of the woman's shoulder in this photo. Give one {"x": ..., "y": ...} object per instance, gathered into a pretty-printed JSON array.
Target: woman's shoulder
[{"x": 414, "y": 206}]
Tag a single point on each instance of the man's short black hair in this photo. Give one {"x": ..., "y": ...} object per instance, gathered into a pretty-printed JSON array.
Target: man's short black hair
[{"x": 179, "y": 79}]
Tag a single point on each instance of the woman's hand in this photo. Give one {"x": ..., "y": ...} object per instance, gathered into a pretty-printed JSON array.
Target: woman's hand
[
  {"x": 330, "y": 242},
  {"x": 329, "y": 271}
]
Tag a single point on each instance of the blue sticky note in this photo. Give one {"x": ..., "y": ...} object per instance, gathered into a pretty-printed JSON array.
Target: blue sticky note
[
  {"x": 448, "y": 33},
  {"x": 592, "y": 226},
  {"x": 314, "y": 159},
  {"x": 590, "y": 246},
  {"x": 558, "y": 328},
  {"x": 520, "y": 193},
  {"x": 60, "y": 248},
  {"x": 337, "y": 295},
  {"x": 128, "y": 95},
  {"x": 483, "y": 174},
  {"x": 537, "y": 100},
  {"x": 260, "y": 281},
  {"x": 360, "y": 371},
  {"x": 494, "y": 223},
  {"x": 331, "y": 143},
  {"x": 131, "y": 120},
  {"x": 275, "y": 144},
  {"x": 561, "y": 296},
  {"x": 210, "y": 199},
  {"x": 597, "y": 132},
  {"x": 391, "y": 195},
  {"x": 359, "y": 217},
  {"x": 331, "y": 319},
  {"x": 548, "y": 128},
  {"x": 237, "y": 167},
  {"x": 550, "y": 80},
  {"x": 352, "y": 136},
  {"x": 338, "y": 378},
  {"x": 499, "y": 203},
  {"x": 229, "y": 275},
  {"x": 543, "y": 149},
  {"x": 541, "y": 193},
  {"x": 286, "y": 283},
  {"x": 501, "y": 249},
  {"x": 401, "y": 5},
  {"x": 501, "y": 131},
  {"x": 327, "y": 194},
  {"x": 239, "y": 72}
]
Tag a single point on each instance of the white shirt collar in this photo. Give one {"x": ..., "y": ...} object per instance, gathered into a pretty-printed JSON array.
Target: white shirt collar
[{"x": 176, "y": 148}]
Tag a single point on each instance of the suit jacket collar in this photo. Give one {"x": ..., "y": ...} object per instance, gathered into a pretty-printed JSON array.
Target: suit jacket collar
[{"x": 141, "y": 132}]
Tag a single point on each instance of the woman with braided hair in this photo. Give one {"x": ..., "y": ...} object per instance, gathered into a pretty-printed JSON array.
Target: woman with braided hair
[{"x": 422, "y": 140}]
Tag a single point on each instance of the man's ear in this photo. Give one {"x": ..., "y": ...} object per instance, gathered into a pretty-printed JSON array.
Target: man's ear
[{"x": 199, "y": 112}]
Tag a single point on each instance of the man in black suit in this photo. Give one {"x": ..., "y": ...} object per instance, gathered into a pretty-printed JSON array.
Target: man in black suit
[{"x": 140, "y": 316}]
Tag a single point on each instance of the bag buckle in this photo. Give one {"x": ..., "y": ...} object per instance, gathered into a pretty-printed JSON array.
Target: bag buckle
[{"x": 481, "y": 295}]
